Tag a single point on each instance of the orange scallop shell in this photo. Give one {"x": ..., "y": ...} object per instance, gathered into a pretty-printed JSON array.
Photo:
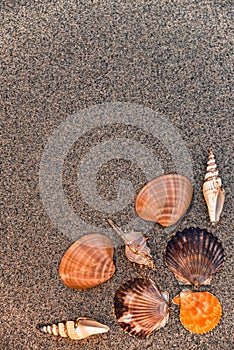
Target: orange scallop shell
[
  {"x": 88, "y": 262},
  {"x": 200, "y": 312},
  {"x": 165, "y": 199}
]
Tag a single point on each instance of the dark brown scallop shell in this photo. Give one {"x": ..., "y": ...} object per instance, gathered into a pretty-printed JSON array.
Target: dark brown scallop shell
[
  {"x": 140, "y": 308},
  {"x": 194, "y": 256}
]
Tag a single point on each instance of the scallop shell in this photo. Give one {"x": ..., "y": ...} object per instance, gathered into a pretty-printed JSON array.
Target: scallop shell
[
  {"x": 194, "y": 256},
  {"x": 165, "y": 199},
  {"x": 140, "y": 308},
  {"x": 136, "y": 249},
  {"x": 200, "y": 312},
  {"x": 212, "y": 189},
  {"x": 88, "y": 262},
  {"x": 76, "y": 330}
]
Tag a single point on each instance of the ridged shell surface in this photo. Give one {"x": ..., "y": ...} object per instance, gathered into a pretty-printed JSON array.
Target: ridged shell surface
[
  {"x": 165, "y": 199},
  {"x": 200, "y": 312},
  {"x": 212, "y": 189},
  {"x": 136, "y": 249},
  {"x": 75, "y": 330},
  {"x": 194, "y": 256},
  {"x": 140, "y": 308},
  {"x": 88, "y": 262}
]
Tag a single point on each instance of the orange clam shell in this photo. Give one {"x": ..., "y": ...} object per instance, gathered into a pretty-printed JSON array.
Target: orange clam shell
[
  {"x": 165, "y": 199},
  {"x": 200, "y": 312},
  {"x": 88, "y": 262}
]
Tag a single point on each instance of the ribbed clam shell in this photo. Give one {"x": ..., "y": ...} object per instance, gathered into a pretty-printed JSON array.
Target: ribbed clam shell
[
  {"x": 136, "y": 249},
  {"x": 88, "y": 262},
  {"x": 75, "y": 330},
  {"x": 194, "y": 256},
  {"x": 212, "y": 189},
  {"x": 200, "y": 312},
  {"x": 165, "y": 199},
  {"x": 140, "y": 308}
]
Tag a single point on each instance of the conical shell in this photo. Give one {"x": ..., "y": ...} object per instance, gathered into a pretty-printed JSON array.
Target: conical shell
[
  {"x": 140, "y": 308},
  {"x": 88, "y": 262},
  {"x": 76, "y": 330},
  {"x": 194, "y": 256},
  {"x": 213, "y": 191},
  {"x": 200, "y": 312},
  {"x": 136, "y": 249},
  {"x": 165, "y": 199}
]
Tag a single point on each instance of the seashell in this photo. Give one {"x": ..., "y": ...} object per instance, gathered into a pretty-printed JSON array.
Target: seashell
[
  {"x": 76, "y": 330},
  {"x": 194, "y": 256},
  {"x": 136, "y": 249},
  {"x": 165, "y": 199},
  {"x": 140, "y": 308},
  {"x": 200, "y": 312},
  {"x": 88, "y": 262},
  {"x": 212, "y": 189}
]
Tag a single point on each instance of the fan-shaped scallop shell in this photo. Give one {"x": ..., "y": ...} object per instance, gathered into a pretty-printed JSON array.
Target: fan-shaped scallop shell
[
  {"x": 75, "y": 330},
  {"x": 136, "y": 249},
  {"x": 165, "y": 199},
  {"x": 194, "y": 256},
  {"x": 212, "y": 189},
  {"x": 200, "y": 312},
  {"x": 140, "y": 308},
  {"x": 88, "y": 262}
]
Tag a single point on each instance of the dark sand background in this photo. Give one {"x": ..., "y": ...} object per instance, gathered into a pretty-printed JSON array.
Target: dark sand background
[{"x": 60, "y": 57}]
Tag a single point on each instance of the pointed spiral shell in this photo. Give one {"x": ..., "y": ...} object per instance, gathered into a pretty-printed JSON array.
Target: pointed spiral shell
[
  {"x": 212, "y": 189},
  {"x": 75, "y": 330}
]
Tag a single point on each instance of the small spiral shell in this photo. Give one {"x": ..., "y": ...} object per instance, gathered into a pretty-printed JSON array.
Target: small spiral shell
[
  {"x": 75, "y": 330},
  {"x": 136, "y": 249},
  {"x": 212, "y": 189}
]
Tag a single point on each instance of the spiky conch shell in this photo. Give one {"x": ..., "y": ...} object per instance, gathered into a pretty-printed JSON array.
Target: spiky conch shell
[
  {"x": 136, "y": 249},
  {"x": 140, "y": 308},
  {"x": 88, "y": 262},
  {"x": 165, "y": 199},
  {"x": 200, "y": 312},
  {"x": 194, "y": 256},
  {"x": 75, "y": 330},
  {"x": 212, "y": 189}
]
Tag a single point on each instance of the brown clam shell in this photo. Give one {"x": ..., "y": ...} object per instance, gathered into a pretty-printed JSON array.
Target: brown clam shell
[
  {"x": 165, "y": 199},
  {"x": 88, "y": 262},
  {"x": 200, "y": 312},
  {"x": 140, "y": 308},
  {"x": 194, "y": 256}
]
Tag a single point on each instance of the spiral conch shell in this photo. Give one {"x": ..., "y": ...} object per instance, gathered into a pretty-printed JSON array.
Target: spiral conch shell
[
  {"x": 76, "y": 330},
  {"x": 136, "y": 249},
  {"x": 165, "y": 199},
  {"x": 88, "y": 262},
  {"x": 140, "y": 308},
  {"x": 194, "y": 256},
  {"x": 212, "y": 190},
  {"x": 200, "y": 312}
]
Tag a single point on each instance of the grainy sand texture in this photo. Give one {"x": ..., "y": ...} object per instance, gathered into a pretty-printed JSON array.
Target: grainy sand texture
[{"x": 98, "y": 97}]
